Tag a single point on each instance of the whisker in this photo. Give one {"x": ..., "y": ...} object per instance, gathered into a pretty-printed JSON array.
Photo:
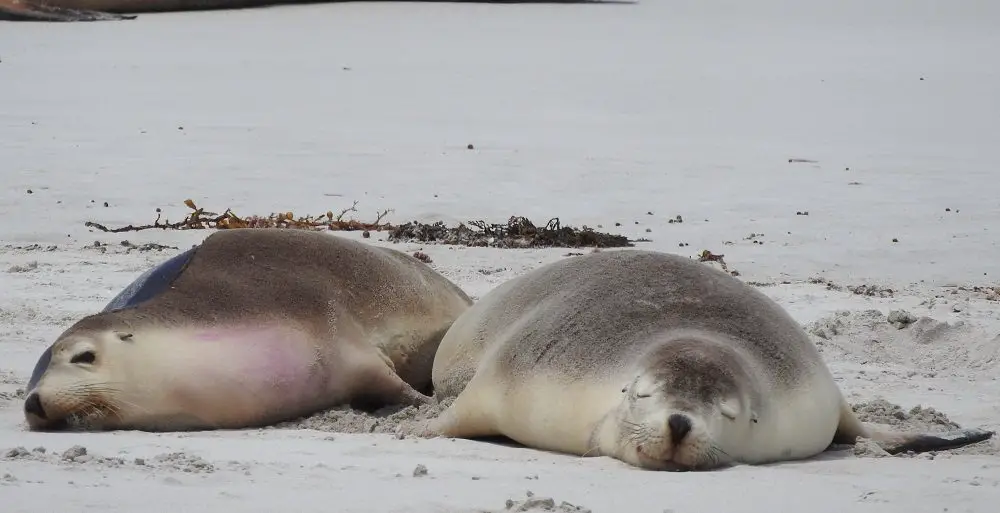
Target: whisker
[
  {"x": 95, "y": 401},
  {"x": 122, "y": 402}
]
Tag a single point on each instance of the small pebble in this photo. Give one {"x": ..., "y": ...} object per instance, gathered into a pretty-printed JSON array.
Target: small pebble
[
  {"x": 75, "y": 452},
  {"x": 543, "y": 503},
  {"x": 420, "y": 471}
]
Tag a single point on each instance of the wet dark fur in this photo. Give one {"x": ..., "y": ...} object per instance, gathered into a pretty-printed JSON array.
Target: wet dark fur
[{"x": 152, "y": 282}]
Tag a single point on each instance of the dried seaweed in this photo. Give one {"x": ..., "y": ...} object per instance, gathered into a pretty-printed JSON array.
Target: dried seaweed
[
  {"x": 200, "y": 219},
  {"x": 708, "y": 256},
  {"x": 517, "y": 232}
]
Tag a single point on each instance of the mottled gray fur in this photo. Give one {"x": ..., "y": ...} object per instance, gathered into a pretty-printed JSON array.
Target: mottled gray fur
[
  {"x": 591, "y": 316},
  {"x": 694, "y": 352}
]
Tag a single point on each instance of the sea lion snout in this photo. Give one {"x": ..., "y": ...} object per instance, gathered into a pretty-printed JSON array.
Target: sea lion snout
[
  {"x": 680, "y": 426},
  {"x": 33, "y": 406}
]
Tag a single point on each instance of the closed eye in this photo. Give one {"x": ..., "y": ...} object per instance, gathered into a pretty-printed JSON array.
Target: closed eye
[
  {"x": 84, "y": 357},
  {"x": 643, "y": 396},
  {"x": 729, "y": 409}
]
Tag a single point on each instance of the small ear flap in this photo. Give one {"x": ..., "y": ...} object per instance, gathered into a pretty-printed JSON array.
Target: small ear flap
[
  {"x": 125, "y": 337},
  {"x": 630, "y": 384}
]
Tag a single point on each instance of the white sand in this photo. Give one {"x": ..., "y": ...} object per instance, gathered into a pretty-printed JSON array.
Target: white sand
[{"x": 594, "y": 114}]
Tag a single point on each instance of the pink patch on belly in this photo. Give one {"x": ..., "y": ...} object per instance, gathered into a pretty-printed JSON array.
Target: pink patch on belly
[{"x": 267, "y": 359}]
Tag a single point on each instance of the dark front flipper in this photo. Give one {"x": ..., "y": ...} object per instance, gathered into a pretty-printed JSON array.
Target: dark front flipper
[
  {"x": 152, "y": 282},
  {"x": 30, "y": 10},
  {"x": 934, "y": 441}
]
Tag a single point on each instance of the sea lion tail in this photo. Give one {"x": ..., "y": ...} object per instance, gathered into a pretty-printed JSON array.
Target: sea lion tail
[
  {"x": 896, "y": 443},
  {"x": 851, "y": 428}
]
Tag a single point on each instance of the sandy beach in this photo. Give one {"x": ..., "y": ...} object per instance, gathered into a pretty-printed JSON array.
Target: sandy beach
[{"x": 839, "y": 154}]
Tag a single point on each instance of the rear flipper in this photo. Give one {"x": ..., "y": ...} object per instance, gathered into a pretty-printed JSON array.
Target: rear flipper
[
  {"x": 896, "y": 443},
  {"x": 378, "y": 385},
  {"x": 850, "y": 428},
  {"x": 34, "y": 10}
]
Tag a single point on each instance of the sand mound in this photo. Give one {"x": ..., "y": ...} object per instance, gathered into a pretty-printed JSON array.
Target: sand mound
[
  {"x": 917, "y": 418},
  {"x": 535, "y": 503},
  {"x": 388, "y": 420},
  {"x": 903, "y": 338},
  {"x": 79, "y": 455}
]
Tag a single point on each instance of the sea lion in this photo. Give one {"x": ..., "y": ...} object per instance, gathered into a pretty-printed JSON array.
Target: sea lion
[
  {"x": 110, "y": 10},
  {"x": 651, "y": 358},
  {"x": 249, "y": 328}
]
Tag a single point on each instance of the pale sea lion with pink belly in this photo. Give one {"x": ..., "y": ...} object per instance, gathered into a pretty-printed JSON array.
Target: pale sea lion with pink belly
[{"x": 250, "y": 328}]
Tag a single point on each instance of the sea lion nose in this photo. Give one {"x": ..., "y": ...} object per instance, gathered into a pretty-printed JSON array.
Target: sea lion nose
[
  {"x": 680, "y": 426},
  {"x": 33, "y": 405}
]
